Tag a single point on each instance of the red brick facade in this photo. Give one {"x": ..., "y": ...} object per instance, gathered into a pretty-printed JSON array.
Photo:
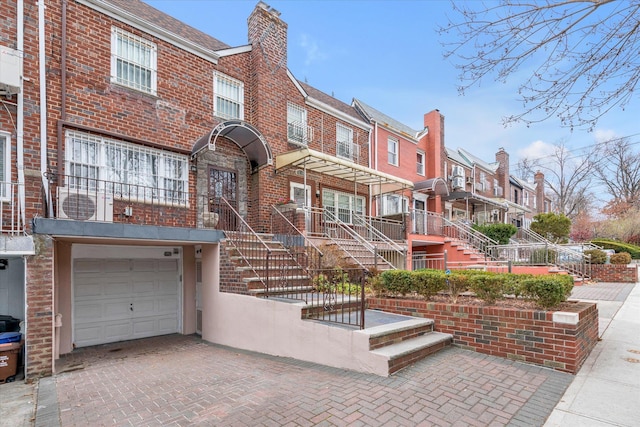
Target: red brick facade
[
  {"x": 614, "y": 273},
  {"x": 524, "y": 335}
]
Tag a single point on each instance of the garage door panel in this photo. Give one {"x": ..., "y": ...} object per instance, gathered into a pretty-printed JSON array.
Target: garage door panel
[{"x": 106, "y": 291}]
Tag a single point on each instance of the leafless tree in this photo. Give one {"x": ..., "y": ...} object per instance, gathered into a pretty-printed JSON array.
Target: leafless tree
[
  {"x": 573, "y": 59},
  {"x": 568, "y": 178},
  {"x": 618, "y": 169}
]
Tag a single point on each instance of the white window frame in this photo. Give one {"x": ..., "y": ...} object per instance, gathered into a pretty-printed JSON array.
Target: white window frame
[
  {"x": 297, "y": 129},
  {"x": 5, "y": 172},
  {"x": 142, "y": 59},
  {"x": 228, "y": 91},
  {"x": 392, "y": 151},
  {"x": 345, "y": 149},
  {"x": 393, "y": 204},
  {"x": 420, "y": 162},
  {"x": 355, "y": 205},
  {"x": 142, "y": 174},
  {"x": 525, "y": 198},
  {"x": 296, "y": 185}
]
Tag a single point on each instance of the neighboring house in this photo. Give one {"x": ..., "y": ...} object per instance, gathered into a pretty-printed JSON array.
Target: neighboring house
[
  {"x": 159, "y": 140},
  {"x": 475, "y": 189}
]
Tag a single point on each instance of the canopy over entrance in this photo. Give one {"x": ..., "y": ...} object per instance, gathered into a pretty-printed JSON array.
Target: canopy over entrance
[
  {"x": 476, "y": 199},
  {"x": 315, "y": 161},
  {"x": 244, "y": 135},
  {"x": 436, "y": 186}
]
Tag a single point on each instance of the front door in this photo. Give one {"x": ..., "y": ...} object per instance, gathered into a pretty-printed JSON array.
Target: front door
[
  {"x": 419, "y": 217},
  {"x": 223, "y": 184}
]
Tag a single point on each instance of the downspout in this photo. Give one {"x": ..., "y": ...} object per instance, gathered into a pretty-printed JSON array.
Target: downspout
[
  {"x": 43, "y": 106},
  {"x": 63, "y": 93},
  {"x": 20, "y": 121}
]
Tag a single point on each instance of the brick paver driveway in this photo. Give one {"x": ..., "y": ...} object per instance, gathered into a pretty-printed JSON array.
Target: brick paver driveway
[{"x": 182, "y": 380}]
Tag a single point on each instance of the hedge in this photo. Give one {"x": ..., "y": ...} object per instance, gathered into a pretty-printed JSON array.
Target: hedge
[
  {"x": 546, "y": 291},
  {"x": 620, "y": 258},
  {"x": 597, "y": 256},
  {"x": 632, "y": 250}
]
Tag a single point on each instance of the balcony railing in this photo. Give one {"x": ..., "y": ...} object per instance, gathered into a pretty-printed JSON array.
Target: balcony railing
[
  {"x": 426, "y": 223},
  {"x": 10, "y": 193},
  {"x": 348, "y": 150},
  {"x": 299, "y": 133}
]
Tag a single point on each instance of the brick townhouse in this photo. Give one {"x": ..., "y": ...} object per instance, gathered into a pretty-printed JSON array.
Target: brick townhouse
[{"x": 133, "y": 141}]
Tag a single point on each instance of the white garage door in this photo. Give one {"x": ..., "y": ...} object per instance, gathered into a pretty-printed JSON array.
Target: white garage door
[{"x": 123, "y": 299}]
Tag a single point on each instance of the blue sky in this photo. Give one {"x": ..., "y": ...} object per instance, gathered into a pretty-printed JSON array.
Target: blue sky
[{"x": 388, "y": 54}]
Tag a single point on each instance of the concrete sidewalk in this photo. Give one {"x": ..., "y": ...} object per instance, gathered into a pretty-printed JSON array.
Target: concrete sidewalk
[{"x": 606, "y": 390}]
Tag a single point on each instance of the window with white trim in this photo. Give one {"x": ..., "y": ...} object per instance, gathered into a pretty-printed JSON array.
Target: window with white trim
[
  {"x": 392, "y": 149},
  {"x": 420, "y": 162},
  {"x": 129, "y": 170},
  {"x": 5, "y": 165},
  {"x": 229, "y": 97},
  {"x": 133, "y": 61},
  {"x": 394, "y": 204},
  {"x": 297, "y": 129},
  {"x": 345, "y": 147},
  {"x": 342, "y": 205}
]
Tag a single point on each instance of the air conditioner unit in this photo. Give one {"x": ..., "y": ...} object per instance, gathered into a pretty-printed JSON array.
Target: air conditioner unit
[
  {"x": 83, "y": 205},
  {"x": 469, "y": 180},
  {"x": 457, "y": 182},
  {"x": 10, "y": 71},
  {"x": 457, "y": 171}
]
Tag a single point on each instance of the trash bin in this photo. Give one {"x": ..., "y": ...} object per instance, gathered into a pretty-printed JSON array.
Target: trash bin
[
  {"x": 9, "y": 324},
  {"x": 10, "y": 347}
]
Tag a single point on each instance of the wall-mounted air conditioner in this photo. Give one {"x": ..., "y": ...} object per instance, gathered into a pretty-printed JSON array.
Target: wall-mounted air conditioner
[
  {"x": 457, "y": 182},
  {"x": 457, "y": 171},
  {"x": 83, "y": 205},
  {"x": 10, "y": 71}
]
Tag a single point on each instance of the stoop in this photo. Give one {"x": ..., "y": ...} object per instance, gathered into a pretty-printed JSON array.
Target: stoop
[{"x": 404, "y": 343}]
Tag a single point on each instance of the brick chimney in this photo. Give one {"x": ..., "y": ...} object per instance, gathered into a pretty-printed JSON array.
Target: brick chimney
[
  {"x": 539, "y": 181},
  {"x": 502, "y": 157},
  {"x": 433, "y": 144},
  {"x": 268, "y": 36}
]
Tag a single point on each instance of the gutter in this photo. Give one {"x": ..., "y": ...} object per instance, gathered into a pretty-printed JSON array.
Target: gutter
[{"x": 43, "y": 106}]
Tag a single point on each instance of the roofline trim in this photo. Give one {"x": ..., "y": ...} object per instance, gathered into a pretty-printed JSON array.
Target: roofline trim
[
  {"x": 146, "y": 26},
  {"x": 312, "y": 102},
  {"x": 234, "y": 50}
]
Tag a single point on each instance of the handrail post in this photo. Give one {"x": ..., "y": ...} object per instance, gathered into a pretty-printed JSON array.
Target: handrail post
[{"x": 445, "y": 259}]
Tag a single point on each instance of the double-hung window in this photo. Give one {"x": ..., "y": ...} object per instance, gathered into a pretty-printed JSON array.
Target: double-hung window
[
  {"x": 342, "y": 206},
  {"x": 297, "y": 129},
  {"x": 394, "y": 204},
  {"x": 420, "y": 162},
  {"x": 345, "y": 147},
  {"x": 125, "y": 170},
  {"x": 5, "y": 165},
  {"x": 133, "y": 61},
  {"x": 392, "y": 149},
  {"x": 229, "y": 97}
]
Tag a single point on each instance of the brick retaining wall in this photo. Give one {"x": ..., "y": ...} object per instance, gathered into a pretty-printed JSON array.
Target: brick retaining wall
[
  {"x": 558, "y": 340},
  {"x": 614, "y": 273}
]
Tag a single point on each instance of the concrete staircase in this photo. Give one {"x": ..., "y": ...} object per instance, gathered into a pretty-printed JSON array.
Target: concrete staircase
[
  {"x": 360, "y": 255},
  {"x": 284, "y": 275},
  {"x": 460, "y": 251},
  {"x": 404, "y": 343}
]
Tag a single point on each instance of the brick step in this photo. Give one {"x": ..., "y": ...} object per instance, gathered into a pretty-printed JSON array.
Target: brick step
[
  {"x": 404, "y": 343},
  {"x": 400, "y": 333}
]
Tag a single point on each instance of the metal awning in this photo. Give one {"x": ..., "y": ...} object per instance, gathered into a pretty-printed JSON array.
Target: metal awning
[
  {"x": 437, "y": 186},
  {"x": 245, "y": 136},
  {"x": 476, "y": 199},
  {"x": 316, "y": 161}
]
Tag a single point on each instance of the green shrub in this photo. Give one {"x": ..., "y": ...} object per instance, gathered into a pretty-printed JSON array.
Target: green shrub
[
  {"x": 458, "y": 282},
  {"x": 488, "y": 287},
  {"x": 376, "y": 284},
  {"x": 335, "y": 281},
  {"x": 428, "y": 282},
  {"x": 633, "y": 250},
  {"x": 397, "y": 282},
  {"x": 513, "y": 284},
  {"x": 501, "y": 233},
  {"x": 620, "y": 258},
  {"x": 597, "y": 256},
  {"x": 543, "y": 256},
  {"x": 548, "y": 291}
]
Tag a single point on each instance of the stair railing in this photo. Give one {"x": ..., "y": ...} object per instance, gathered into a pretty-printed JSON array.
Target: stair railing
[
  {"x": 244, "y": 240},
  {"x": 465, "y": 233},
  {"x": 301, "y": 251},
  {"x": 336, "y": 229},
  {"x": 397, "y": 254}
]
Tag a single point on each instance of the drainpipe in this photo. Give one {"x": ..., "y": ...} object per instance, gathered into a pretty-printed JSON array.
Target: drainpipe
[
  {"x": 20, "y": 119},
  {"x": 63, "y": 91},
  {"x": 43, "y": 105}
]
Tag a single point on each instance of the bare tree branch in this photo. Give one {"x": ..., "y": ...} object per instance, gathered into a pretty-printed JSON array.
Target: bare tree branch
[{"x": 578, "y": 58}]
